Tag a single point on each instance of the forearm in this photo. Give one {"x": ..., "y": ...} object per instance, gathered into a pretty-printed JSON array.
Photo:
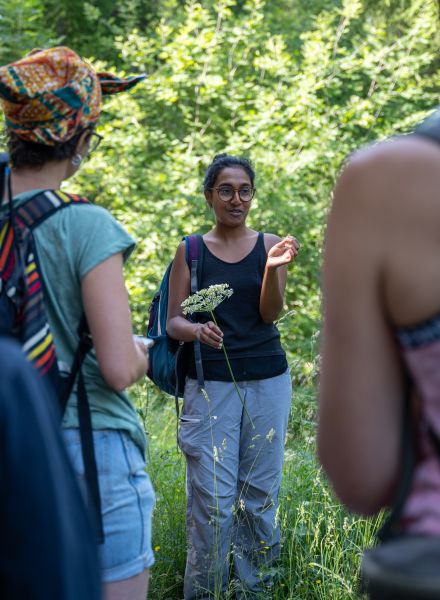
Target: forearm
[
  {"x": 106, "y": 307},
  {"x": 121, "y": 364},
  {"x": 140, "y": 365},
  {"x": 181, "y": 329},
  {"x": 271, "y": 297}
]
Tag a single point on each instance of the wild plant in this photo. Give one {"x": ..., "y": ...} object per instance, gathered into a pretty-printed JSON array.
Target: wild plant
[{"x": 207, "y": 300}]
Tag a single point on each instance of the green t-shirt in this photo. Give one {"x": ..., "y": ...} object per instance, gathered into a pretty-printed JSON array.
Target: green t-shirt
[{"x": 69, "y": 244}]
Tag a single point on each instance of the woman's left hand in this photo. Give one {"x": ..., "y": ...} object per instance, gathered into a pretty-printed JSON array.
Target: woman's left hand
[{"x": 282, "y": 253}]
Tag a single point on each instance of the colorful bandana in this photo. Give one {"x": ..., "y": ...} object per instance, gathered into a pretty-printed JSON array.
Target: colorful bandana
[{"x": 50, "y": 95}]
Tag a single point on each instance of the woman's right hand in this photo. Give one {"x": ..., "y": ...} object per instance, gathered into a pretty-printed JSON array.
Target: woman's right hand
[{"x": 209, "y": 334}]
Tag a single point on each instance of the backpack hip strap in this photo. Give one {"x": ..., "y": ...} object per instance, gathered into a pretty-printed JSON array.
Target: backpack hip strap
[
  {"x": 85, "y": 344},
  {"x": 89, "y": 459}
]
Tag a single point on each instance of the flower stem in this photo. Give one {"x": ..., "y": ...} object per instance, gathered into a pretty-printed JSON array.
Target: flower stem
[{"x": 233, "y": 378}]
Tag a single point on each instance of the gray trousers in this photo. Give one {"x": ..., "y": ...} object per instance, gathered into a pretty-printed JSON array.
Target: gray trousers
[{"x": 233, "y": 480}]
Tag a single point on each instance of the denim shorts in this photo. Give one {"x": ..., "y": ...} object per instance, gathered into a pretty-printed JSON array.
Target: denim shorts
[{"x": 127, "y": 501}]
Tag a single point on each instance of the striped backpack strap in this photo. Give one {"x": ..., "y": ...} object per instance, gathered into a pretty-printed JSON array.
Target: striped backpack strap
[
  {"x": 31, "y": 324},
  {"x": 41, "y": 206},
  {"x": 7, "y": 256}
]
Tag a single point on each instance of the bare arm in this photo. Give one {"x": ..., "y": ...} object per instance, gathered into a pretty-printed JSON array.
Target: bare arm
[
  {"x": 178, "y": 327},
  {"x": 381, "y": 270},
  {"x": 281, "y": 252},
  {"x": 361, "y": 389},
  {"x": 105, "y": 299}
]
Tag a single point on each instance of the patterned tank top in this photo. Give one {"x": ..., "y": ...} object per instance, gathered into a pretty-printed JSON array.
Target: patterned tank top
[{"x": 420, "y": 347}]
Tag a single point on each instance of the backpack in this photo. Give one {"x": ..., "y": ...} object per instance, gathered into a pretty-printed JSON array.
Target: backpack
[
  {"x": 23, "y": 312},
  {"x": 405, "y": 566},
  {"x": 166, "y": 356}
]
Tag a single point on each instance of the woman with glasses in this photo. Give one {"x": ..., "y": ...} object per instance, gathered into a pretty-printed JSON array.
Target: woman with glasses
[
  {"x": 234, "y": 452},
  {"x": 51, "y": 100}
]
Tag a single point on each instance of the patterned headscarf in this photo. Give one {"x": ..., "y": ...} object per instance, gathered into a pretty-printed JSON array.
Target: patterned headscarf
[{"x": 50, "y": 95}]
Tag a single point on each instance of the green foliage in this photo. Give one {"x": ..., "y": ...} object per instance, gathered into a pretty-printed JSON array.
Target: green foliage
[
  {"x": 295, "y": 87},
  {"x": 22, "y": 28},
  {"x": 221, "y": 80}
]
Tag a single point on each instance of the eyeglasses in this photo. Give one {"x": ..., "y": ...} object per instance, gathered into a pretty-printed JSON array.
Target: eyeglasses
[
  {"x": 94, "y": 140},
  {"x": 227, "y": 192}
]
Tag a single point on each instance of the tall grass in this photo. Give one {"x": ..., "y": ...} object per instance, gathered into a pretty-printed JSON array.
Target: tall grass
[{"x": 321, "y": 543}]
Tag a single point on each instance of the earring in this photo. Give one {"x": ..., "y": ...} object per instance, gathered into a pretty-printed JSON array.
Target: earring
[{"x": 77, "y": 160}]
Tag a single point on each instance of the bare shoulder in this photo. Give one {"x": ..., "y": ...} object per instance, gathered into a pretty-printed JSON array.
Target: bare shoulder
[
  {"x": 389, "y": 186},
  {"x": 385, "y": 216},
  {"x": 389, "y": 167},
  {"x": 270, "y": 239},
  {"x": 180, "y": 256},
  {"x": 410, "y": 148}
]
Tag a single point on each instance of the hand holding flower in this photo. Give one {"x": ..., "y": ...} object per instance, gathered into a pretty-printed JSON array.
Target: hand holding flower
[
  {"x": 209, "y": 333},
  {"x": 207, "y": 300}
]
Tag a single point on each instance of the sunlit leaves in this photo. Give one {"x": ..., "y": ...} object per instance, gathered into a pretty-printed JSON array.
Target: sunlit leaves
[{"x": 295, "y": 86}]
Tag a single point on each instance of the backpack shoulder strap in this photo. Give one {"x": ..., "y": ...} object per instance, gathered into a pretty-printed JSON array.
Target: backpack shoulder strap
[
  {"x": 194, "y": 251},
  {"x": 194, "y": 259},
  {"x": 41, "y": 206}
]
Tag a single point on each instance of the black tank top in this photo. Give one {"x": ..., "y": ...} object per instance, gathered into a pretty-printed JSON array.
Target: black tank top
[{"x": 253, "y": 346}]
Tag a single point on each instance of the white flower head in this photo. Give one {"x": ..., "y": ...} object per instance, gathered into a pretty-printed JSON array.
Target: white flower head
[{"x": 206, "y": 300}]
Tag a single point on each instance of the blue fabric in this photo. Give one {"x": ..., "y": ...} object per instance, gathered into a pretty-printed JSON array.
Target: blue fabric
[
  {"x": 127, "y": 501},
  {"x": 47, "y": 545},
  {"x": 162, "y": 356},
  {"x": 167, "y": 365}
]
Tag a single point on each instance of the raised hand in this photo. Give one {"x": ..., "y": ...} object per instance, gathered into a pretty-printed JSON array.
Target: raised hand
[{"x": 282, "y": 253}]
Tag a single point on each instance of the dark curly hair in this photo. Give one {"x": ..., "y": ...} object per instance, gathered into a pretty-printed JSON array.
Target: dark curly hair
[
  {"x": 222, "y": 161},
  {"x": 23, "y": 153}
]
